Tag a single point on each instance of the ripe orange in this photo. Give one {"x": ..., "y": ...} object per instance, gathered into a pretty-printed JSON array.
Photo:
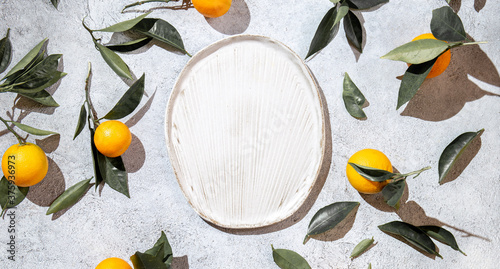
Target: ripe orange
[
  {"x": 113, "y": 263},
  {"x": 442, "y": 61},
  {"x": 112, "y": 138},
  {"x": 25, "y": 164},
  {"x": 212, "y": 8},
  {"x": 371, "y": 158}
]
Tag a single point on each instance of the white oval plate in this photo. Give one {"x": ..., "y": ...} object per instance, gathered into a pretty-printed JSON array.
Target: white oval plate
[{"x": 245, "y": 132}]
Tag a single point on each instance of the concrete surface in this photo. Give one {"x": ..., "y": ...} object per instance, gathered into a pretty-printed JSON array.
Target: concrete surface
[{"x": 465, "y": 98}]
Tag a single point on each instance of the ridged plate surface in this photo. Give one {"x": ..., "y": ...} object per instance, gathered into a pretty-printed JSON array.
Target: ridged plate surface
[{"x": 245, "y": 132}]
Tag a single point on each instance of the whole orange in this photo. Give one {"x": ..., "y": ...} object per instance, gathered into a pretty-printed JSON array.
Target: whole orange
[
  {"x": 112, "y": 138},
  {"x": 113, "y": 263},
  {"x": 212, "y": 8},
  {"x": 371, "y": 158},
  {"x": 442, "y": 61},
  {"x": 25, "y": 164}
]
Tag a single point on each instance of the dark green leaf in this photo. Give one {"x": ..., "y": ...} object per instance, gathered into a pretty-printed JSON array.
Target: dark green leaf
[
  {"x": 412, "y": 80},
  {"x": 325, "y": 33},
  {"x": 28, "y": 58},
  {"x": 146, "y": 261},
  {"x": 361, "y": 247},
  {"x": 353, "y": 30},
  {"x": 365, "y": 4},
  {"x": 288, "y": 259},
  {"x": 328, "y": 217},
  {"x": 341, "y": 12},
  {"x": 353, "y": 98},
  {"x": 446, "y": 25},
  {"x": 10, "y": 194},
  {"x": 166, "y": 250},
  {"x": 82, "y": 120},
  {"x": 453, "y": 151},
  {"x": 131, "y": 45},
  {"x": 9, "y": 79},
  {"x": 129, "y": 101},
  {"x": 114, "y": 61},
  {"x": 55, "y": 3},
  {"x": 39, "y": 76},
  {"x": 96, "y": 156},
  {"x": 69, "y": 197},
  {"x": 162, "y": 31},
  {"x": 5, "y": 52},
  {"x": 442, "y": 235},
  {"x": 43, "y": 97},
  {"x": 114, "y": 174},
  {"x": 418, "y": 51},
  {"x": 372, "y": 174},
  {"x": 55, "y": 77},
  {"x": 412, "y": 234},
  {"x": 393, "y": 192},
  {"x": 32, "y": 130},
  {"x": 124, "y": 25}
]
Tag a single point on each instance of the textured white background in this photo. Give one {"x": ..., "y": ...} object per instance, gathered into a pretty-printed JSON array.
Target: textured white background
[{"x": 101, "y": 226}]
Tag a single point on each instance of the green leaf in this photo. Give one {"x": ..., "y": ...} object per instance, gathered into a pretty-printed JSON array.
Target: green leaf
[
  {"x": 128, "y": 102},
  {"x": 328, "y": 217},
  {"x": 442, "y": 235},
  {"x": 162, "y": 250},
  {"x": 10, "y": 194},
  {"x": 412, "y": 80},
  {"x": 5, "y": 52},
  {"x": 69, "y": 197},
  {"x": 82, "y": 120},
  {"x": 55, "y": 3},
  {"x": 325, "y": 33},
  {"x": 335, "y": 1},
  {"x": 131, "y": 45},
  {"x": 446, "y": 25},
  {"x": 39, "y": 76},
  {"x": 372, "y": 174},
  {"x": 146, "y": 261},
  {"x": 114, "y": 174},
  {"x": 43, "y": 97},
  {"x": 393, "y": 192},
  {"x": 353, "y": 30},
  {"x": 124, "y": 25},
  {"x": 9, "y": 79},
  {"x": 453, "y": 151},
  {"x": 162, "y": 31},
  {"x": 418, "y": 51},
  {"x": 370, "y": 266},
  {"x": 288, "y": 259},
  {"x": 353, "y": 98},
  {"x": 341, "y": 12},
  {"x": 32, "y": 130},
  {"x": 96, "y": 156},
  {"x": 361, "y": 247},
  {"x": 28, "y": 58},
  {"x": 365, "y": 4},
  {"x": 412, "y": 234},
  {"x": 114, "y": 61}
]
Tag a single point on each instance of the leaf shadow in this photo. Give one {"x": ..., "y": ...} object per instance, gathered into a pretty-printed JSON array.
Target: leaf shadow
[
  {"x": 456, "y": 4},
  {"x": 62, "y": 212},
  {"x": 464, "y": 160},
  {"x": 315, "y": 189},
  {"x": 339, "y": 231},
  {"x": 443, "y": 97},
  {"x": 135, "y": 156},
  {"x": 180, "y": 262},
  {"x": 50, "y": 143},
  {"x": 235, "y": 21},
  {"x": 51, "y": 187}
]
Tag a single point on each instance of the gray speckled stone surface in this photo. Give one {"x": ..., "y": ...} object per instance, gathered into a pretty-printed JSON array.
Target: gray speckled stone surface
[{"x": 101, "y": 225}]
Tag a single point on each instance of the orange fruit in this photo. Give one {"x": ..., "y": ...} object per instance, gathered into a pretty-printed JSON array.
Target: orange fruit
[
  {"x": 212, "y": 8},
  {"x": 25, "y": 164},
  {"x": 113, "y": 263},
  {"x": 112, "y": 138},
  {"x": 442, "y": 61},
  {"x": 371, "y": 158}
]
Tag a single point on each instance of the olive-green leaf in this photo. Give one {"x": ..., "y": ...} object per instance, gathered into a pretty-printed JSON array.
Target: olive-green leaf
[
  {"x": 446, "y": 25},
  {"x": 146, "y": 261},
  {"x": 353, "y": 30},
  {"x": 39, "y": 76},
  {"x": 131, "y": 45},
  {"x": 82, "y": 120},
  {"x": 453, "y": 151},
  {"x": 161, "y": 31},
  {"x": 96, "y": 156},
  {"x": 114, "y": 174},
  {"x": 128, "y": 102},
  {"x": 9, "y": 79},
  {"x": 328, "y": 217},
  {"x": 288, "y": 259},
  {"x": 114, "y": 61},
  {"x": 5, "y": 52},
  {"x": 124, "y": 25},
  {"x": 353, "y": 98},
  {"x": 365, "y": 4},
  {"x": 418, "y": 51},
  {"x": 32, "y": 130},
  {"x": 43, "y": 97},
  {"x": 28, "y": 58},
  {"x": 10, "y": 194},
  {"x": 370, "y": 266},
  {"x": 325, "y": 33},
  {"x": 69, "y": 197},
  {"x": 361, "y": 247},
  {"x": 442, "y": 235},
  {"x": 412, "y": 80},
  {"x": 335, "y": 1},
  {"x": 341, "y": 12},
  {"x": 54, "y": 77},
  {"x": 393, "y": 192},
  {"x": 372, "y": 174},
  {"x": 412, "y": 234},
  {"x": 166, "y": 250},
  {"x": 55, "y": 3}
]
